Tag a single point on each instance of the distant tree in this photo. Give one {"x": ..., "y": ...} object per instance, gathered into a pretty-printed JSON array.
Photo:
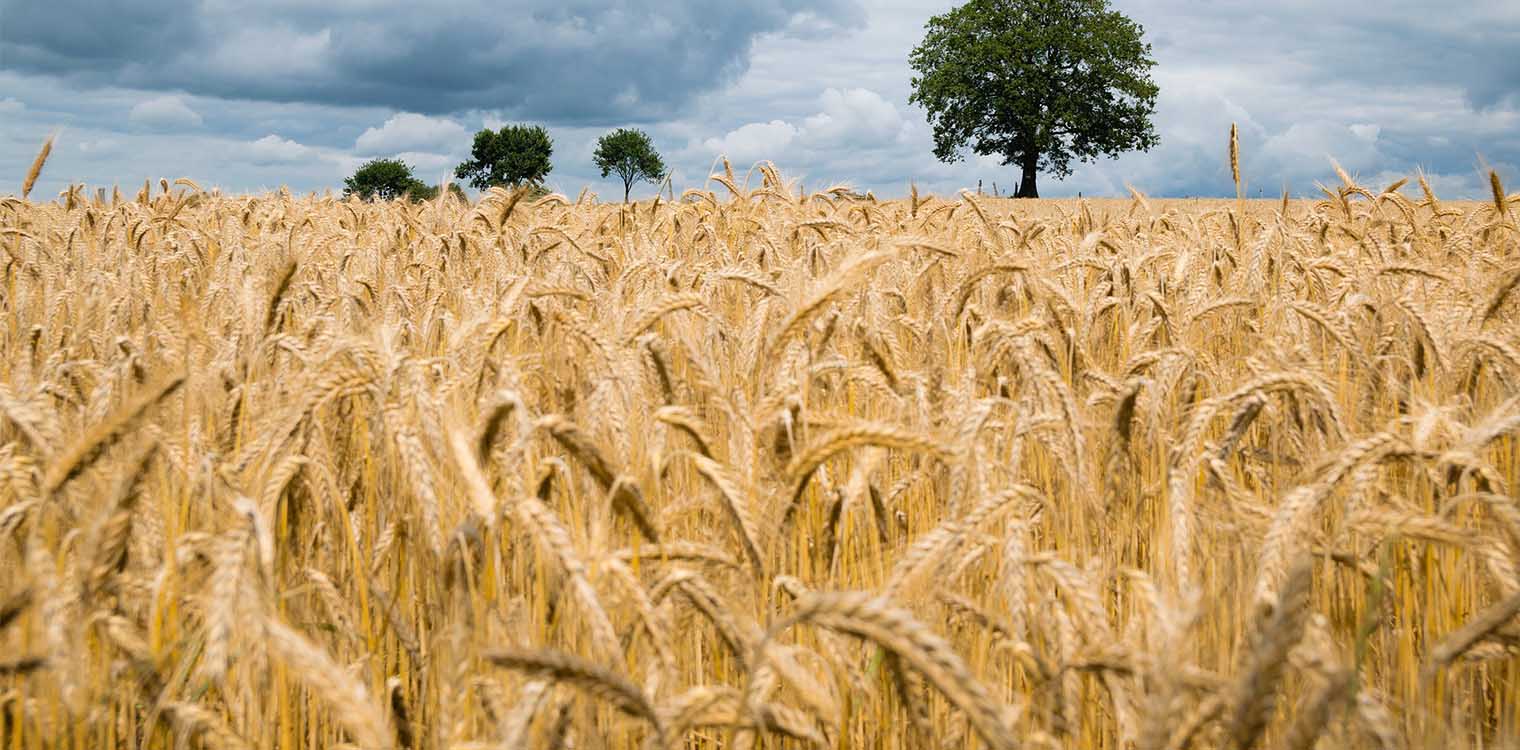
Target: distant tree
[
  {"x": 429, "y": 192},
  {"x": 631, "y": 156},
  {"x": 512, "y": 156},
  {"x": 1037, "y": 82},
  {"x": 385, "y": 179}
]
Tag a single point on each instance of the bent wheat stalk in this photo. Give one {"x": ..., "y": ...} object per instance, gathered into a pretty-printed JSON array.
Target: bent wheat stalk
[{"x": 866, "y": 616}]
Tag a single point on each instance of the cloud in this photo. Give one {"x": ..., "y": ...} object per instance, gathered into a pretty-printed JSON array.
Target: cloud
[
  {"x": 859, "y": 114},
  {"x": 1365, "y": 131},
  {"x": 754, "y": 141},
  {"x": 561, "y": 60},
  {"x": 409, "y": 131},
  {"x": 821, "y": 89},
  {"x": 63, "y": 35},
  {"x": 1309, "y": 43},
  {"x": 272, "y": 149},
  {"x": 858, "y": 118},
  {"x": 164, "y": 112},
  {"x": 428, "y": 166},
  {"x": 106, "y": 145}
]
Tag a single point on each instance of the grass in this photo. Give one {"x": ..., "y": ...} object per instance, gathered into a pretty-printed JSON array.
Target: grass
[{"x": 759, "y": 469}]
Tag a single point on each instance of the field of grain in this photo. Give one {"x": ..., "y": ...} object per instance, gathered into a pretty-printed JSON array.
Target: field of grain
[{"x": 756, "y": 469}]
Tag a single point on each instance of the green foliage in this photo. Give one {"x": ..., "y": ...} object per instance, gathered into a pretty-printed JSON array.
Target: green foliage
[
  {"x": 630, "y": 155},
  {"x": 1037, "y": 82},
  {"x": 509, "y": 157},
  {"x": 386, "y": 179},
  {"x": 429, "y": 192}
]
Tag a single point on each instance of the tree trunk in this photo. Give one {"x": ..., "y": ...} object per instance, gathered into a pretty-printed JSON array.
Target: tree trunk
[
  {"x": 1027, "y": 187},
  {"x": 627, "y": 188}
]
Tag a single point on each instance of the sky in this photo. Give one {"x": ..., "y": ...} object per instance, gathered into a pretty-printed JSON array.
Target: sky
[{"x": 254, "y": 96}]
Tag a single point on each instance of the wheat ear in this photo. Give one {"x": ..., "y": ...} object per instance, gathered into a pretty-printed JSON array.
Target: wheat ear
[
  {"x": 1278, "y": 627},
  {"x": 871, "y": 618},
  {"x": 88, "y": 448},
  {"x": 1497, "y": 188},
  {"x": 626, "y": 496},
  {"x": 1235, "y": 158},
  {"x": 736, "y": 506},
  {"x": 36, "y": 168},
  {"x": 599, "y": 682},
  {"x": 350, "y": 701},
  {"x": 555, "y": 539},
  {"x": 1454, "y": 644},
  {"x": 802, "y": 467}
]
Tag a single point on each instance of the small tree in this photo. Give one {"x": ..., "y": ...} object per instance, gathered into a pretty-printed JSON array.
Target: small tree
[
  {"x": 630, "y": 154},
  {"x": 1037, "y": 82},
  {"x": 385, "y": 179},
  {"x": 429, "y": 192},
  {"x": 514, "y": 155}
]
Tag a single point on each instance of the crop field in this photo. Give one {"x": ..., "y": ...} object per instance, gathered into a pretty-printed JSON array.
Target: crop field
[{"x": 759, "y": 469}]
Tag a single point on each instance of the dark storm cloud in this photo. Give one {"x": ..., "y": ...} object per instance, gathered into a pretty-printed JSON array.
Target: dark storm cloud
[
  {"x": 566, "y": 61},
  {"x": 84, "y": 37}
]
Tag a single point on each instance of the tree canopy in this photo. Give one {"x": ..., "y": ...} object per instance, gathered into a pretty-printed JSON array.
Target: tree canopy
[
  {"x": 630, "y": 155},
  {"x": 1038, "y": 82},
  {"x": 386, "y": 179},
  {"x": 514, "y": 155}
]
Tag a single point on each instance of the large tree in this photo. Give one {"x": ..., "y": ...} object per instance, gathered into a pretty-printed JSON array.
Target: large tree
[
  {"x": 630, "y": 154},
  {"x": 514, "y": 155},
  {"x": 1038, "y": 82}
]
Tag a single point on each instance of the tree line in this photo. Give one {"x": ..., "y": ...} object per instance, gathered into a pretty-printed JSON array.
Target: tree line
[
  {"x": 1039, "y": 83},
  {"x": 512, "y": 157}
]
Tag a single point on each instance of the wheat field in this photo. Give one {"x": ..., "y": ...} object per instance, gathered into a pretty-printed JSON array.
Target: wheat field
[{"x": 759, "y": 469}]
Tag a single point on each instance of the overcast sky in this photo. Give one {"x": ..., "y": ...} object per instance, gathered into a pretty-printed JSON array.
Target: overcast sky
[{"x": 254, "y": 95}]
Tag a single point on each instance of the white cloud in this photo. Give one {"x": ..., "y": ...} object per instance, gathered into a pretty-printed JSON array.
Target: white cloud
[
  {"x": 857, "y": 117},
  {"x": 105, "y": 145},
  {"x": 409, "y": 131},
  {"x": 272, "y": 149},
  {"x": 1463, "y": 186},
  {"x": 164, "y": 112},
  {"x": 861, "y": 115},
  {"x": 428, "y": 166},
  {"x": 10, "y": 105},
  {"x": 300, "y": 56},
  {"x": 754, "y": 142},
  {"x": 1365, "y": 131},
  {"x": 1312, "y": 144},
  {"x": 1241, "y": 116}
]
